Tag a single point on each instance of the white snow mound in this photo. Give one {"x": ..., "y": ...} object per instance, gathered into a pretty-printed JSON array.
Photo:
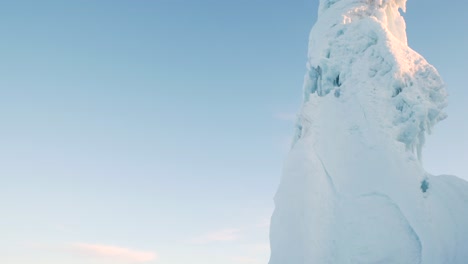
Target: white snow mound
[{"x": 353, "y": 189}]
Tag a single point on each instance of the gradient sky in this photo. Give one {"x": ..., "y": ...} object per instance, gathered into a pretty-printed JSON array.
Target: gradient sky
[{"x": 154, "y": 131}]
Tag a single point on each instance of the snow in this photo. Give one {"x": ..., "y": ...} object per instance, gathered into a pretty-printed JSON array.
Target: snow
[{"x": 353, "y": 188}]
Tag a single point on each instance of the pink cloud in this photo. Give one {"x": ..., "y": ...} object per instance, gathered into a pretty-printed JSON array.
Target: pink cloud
[
  {"x": 115, "y": 253},
  {"x": 218, "y": 236}
]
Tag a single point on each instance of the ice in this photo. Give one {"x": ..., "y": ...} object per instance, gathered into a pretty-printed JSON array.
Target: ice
[{"x": 353, "y": 188}]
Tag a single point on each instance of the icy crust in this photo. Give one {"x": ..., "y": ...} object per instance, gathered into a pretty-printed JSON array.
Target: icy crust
[
  {"x": 387, "y": 11},
  {"x": 353, "y": 189},
  {"x": 357, "y": 51}
]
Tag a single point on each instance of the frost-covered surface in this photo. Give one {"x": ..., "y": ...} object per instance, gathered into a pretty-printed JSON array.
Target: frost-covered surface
[{"x": 353, "y": 187}]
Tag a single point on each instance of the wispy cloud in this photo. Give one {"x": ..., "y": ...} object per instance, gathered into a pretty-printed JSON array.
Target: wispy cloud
[
  {"x": 118, "y": 254},
  {"x": 218, "y": 236}
]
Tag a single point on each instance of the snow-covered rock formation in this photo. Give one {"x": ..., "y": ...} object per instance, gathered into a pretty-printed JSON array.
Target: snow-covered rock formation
[{"x": 353, "y": 189}]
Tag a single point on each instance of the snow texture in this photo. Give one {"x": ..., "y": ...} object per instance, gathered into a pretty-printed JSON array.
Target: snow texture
[{"x": 353, "y": 189}]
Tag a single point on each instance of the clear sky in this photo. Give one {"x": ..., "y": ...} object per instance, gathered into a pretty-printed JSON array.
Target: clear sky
[{"x": 154, "y": 130}]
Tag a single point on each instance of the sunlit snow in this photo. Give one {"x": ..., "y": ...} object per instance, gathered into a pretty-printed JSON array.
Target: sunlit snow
[{"x": 353, "y": 188}]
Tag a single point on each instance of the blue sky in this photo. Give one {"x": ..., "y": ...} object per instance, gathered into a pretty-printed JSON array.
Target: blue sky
[{"x": 155, "y": 130}]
